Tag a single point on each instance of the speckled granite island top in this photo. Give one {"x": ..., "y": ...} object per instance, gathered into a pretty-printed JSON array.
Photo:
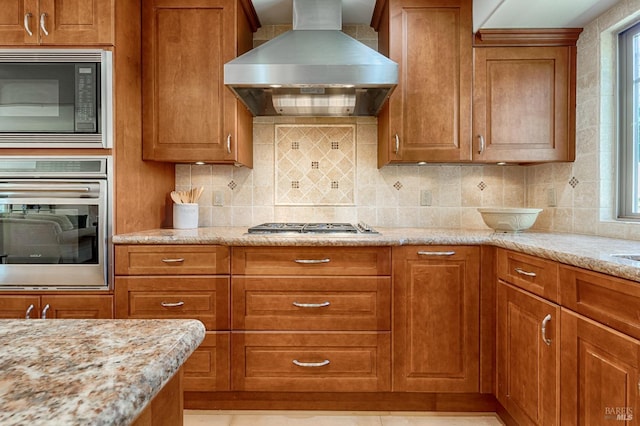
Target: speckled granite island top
[
  {"x": 88, "y": 372},
  {"x": 594, "y": 253}
]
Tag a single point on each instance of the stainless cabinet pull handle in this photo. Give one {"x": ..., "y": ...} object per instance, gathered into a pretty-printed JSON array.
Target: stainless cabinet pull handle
[
  {"x": 27, "y": 18},
  {"x": 28, "y": 313},
  {"x": 171, "y": 304},
  {"x": 311, "y": 364},
  {"x": 44, "y": 311},
  {"x": 543, "y": 329},
  {"x": 176, "y": 260},
  {"x": 481, "y": 146},
  {"x": 523, "y": 272},
  {"x": 229, "y": 143},
  {"x": 43, "y": 25},
  {"x": 311, "y": 305},
  {"x": 397, "y": 144},
  {"x": 311, "y": 261},
  {"x": 436, "y": 253}
]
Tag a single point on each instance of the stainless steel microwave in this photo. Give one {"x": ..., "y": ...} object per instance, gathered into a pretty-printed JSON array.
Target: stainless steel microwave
[{"x": 56, "y": 98}]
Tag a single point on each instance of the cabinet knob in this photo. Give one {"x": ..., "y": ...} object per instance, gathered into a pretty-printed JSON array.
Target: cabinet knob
[
  {"x": 43, "y": 24},
  {"x": 312, "y": 305},
  {"x": 481, "y": 145},
  {"x": 44, "y": 311},
  {"x": 27, "y": 18},
  {"x": 28, "y": 313},
  {"x": 172, "y": 304},
  {"x": 525, "y": 273},
  {"x": 311, "y": 364},
  {"x": 543, "y": 329},
  {"x": 312, "y": 261}
]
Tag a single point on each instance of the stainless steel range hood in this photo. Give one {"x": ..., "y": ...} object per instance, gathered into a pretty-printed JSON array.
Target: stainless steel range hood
[{"x": 314, "y": 70}]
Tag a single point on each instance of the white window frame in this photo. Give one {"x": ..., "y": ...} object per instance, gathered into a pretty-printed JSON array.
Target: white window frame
[{"x": 628, "y": 125}]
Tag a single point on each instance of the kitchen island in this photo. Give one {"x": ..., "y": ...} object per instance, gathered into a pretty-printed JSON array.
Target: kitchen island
[{"x": 91, "y": 372}]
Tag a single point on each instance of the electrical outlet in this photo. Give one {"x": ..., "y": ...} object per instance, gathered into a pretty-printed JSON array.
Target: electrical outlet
[
  {"x": 551, "y": 197},
  {"x": 218, "y": 198},
  {"x": 425, "y": 197}
]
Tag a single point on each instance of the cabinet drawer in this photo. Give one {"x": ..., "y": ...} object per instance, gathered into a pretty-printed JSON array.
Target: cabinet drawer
[
  {"x": 318, "y": 303},
  {"x": 539, "y": 276},
  {"x": 606, "y": 299},
  {"x": 171, "y": 260},
  {"x": 318, "y": 362},
  {"x": 311, "y": 260},
  {"x": 207, "y": 369},
  {"x": 202, "y": 298}
]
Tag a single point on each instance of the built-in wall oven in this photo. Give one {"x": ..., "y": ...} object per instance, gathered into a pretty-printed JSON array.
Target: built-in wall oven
[
  {"x": 56, "y": 98},
  {"x": 55, "y": 222}
]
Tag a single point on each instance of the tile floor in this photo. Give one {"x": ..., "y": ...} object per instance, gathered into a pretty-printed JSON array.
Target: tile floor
[{"x": 336, "y": 418}]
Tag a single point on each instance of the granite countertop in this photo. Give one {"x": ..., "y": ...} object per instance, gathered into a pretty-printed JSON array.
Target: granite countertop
[
  {"x": 590, "y": 252},
  {"x": 88, "y": 372}
]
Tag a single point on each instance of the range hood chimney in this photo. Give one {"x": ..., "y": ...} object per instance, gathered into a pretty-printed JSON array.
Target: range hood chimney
[{"x": 313, "y": 70}]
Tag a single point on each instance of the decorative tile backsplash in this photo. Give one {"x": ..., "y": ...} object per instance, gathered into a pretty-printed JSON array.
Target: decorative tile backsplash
[{"x": 315, "y": 165}]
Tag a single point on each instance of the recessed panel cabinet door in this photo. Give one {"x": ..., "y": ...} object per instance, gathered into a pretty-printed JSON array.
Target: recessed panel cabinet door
[
  {"x": 527, "y": 356},
  {"x": 428, "y": 117},
  {"x": 600, "y": 377},
  {"x": 524, "y": 104},
  {"x": 60, "y": 22},
  {"x": 78, "y": 22},
  {"x": 436, "y": 317},
  {"x": 185, "y": 103}
]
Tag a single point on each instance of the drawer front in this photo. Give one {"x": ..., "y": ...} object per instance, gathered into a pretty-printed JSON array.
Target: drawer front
[
  {"x": 171, "y": 260},
  {"x": 207, "y": 369},
  {"x": 606, "y": 299},
  {"x": 202, "y": 298},
  {"x": 539, "y": 276},
  {"x": 318, "y": 362},
  {"x": 311, "y": 260},
  {"x": 305, "y": 303},
  {"x": 19, "y": 306}
]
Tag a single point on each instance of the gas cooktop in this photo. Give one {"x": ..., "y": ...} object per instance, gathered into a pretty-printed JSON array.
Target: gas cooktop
[{"x": 303, "y": 228}]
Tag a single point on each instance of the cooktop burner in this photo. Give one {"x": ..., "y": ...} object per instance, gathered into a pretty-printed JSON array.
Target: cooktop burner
[{"x": 279, "y": 227}]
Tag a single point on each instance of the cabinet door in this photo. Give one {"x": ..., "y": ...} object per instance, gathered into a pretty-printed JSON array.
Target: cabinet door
[
  {"x": 207, "y": 369},
  {"x": 527, "y": 358},
  {"x": 19, "y": 306},
  {"x": 428, "y": 117},
  {"x": 435, "y": 319},
  {"x": 600, "y": 377},
  {"x": 77, "y": 306},
  {"x": 77, "y": 22},
  {"x": 17, "y": 19},
  {"x": 523, "y": 104},
  {"x": 188, "y": 114}
]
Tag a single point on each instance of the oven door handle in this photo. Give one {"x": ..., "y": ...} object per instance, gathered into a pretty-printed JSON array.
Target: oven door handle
[{"x": 4, "y": 188}]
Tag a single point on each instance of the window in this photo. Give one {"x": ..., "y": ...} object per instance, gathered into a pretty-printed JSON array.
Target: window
[{"x": 629, "y": 124}]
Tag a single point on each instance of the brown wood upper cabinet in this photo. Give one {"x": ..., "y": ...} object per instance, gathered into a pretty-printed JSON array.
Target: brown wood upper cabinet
[
  {"x": 59, "y": 22},
  {"x": 524, "y": 95},
  {"x": 428, "y": 117},
  {"x": 188, "y": 114}
]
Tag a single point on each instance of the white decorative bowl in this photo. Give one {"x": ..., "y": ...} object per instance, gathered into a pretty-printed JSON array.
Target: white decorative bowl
[{"x": 509, "y": 220}]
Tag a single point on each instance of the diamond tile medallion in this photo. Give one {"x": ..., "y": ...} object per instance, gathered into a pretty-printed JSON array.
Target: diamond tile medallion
[{"x": 315, "y": 165}]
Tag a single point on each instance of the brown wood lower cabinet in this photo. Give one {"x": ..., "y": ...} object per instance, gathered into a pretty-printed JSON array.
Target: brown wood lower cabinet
[
  {"x": 207, "y": 369},
  {"x": 600, "y": 374},
  {"x": 528, "y": 356},
  {"x": 70, "y": 306},
  {"x": 314, "y": 362},
  {"x": 436, "y": 337}
]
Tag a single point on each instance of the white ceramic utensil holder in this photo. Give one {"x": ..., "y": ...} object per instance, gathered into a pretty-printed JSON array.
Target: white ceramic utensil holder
[{"x": 185, "y": 216}]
